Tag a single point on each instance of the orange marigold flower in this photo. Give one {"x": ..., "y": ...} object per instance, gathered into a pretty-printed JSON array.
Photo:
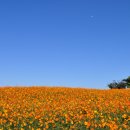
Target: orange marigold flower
[
  {"x": 124, "y": 116},
  {"x": 87, "y": 124}
]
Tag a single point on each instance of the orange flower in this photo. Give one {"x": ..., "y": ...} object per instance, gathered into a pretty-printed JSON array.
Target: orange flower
[
  {"x": 87, "y": 124},
  {"x": 124, "y": 116},
  {"x": 49, "y": 107}
]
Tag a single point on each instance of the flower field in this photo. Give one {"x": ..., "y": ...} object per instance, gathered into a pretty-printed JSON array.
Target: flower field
[{"x": 46, "y": 108}]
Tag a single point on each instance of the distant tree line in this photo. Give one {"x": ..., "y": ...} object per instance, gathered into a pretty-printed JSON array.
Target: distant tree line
[{"x": 125, "y": 83}]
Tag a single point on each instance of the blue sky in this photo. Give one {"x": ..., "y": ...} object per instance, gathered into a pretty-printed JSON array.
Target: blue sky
[{"x": 76, "y": 43}]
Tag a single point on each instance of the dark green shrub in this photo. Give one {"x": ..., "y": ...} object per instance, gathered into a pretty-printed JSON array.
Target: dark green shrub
[
  {"x": 117, "y": 85},
  {"x": 112, "y": 85},
  {"x": 127, "y": 81}
]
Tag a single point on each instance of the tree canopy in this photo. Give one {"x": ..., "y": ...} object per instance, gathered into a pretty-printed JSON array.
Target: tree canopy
[
  {"x": 117, "y": 85},
  {"x": 125, "y": 83}
]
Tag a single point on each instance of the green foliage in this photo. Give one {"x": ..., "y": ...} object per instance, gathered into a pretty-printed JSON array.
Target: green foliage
[
  {"x": 127, "y": 81},
  {"x": 112, "y": 85},
  {"x": 117, "y": 85}
]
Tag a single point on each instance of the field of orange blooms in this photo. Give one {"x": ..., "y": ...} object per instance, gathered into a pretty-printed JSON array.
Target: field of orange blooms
[{"x": 46, "y": 108}]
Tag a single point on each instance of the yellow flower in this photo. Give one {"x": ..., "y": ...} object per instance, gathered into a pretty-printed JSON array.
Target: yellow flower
[
  {"x": 124, "y": 116},
  {"x": 87, "y": 124},
  {"x": 38, "y": 129},
  {"x": 96, "y": 112}
]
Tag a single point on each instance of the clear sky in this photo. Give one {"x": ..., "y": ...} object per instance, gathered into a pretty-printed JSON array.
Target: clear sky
[{"x": 76, "y": 43}]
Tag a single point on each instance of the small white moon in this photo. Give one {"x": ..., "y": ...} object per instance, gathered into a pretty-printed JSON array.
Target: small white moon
[{"x": 91, "y": 16}]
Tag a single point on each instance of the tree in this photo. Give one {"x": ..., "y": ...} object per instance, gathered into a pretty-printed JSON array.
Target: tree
[
  {"x": 112, "y": 85},
  {"x": 127, "y": 81},
  {"x": 117, "y": 85},
  {"x": 121, "y": 85}
]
